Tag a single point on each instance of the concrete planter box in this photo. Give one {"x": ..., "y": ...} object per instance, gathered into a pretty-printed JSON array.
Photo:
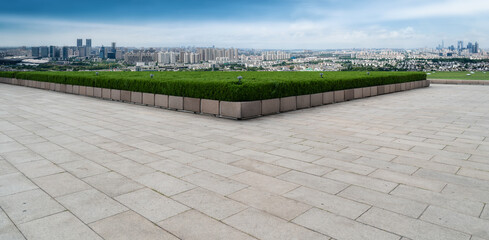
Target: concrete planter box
[
  {"x": 403, "y": 86},
  {"x": 303, "y": 101},
  {"x": 90, "y": 91},
  {"x": 358, "y": 93},
  {"x": 270, "y": 106},
  {"x": 316, "y": 99},
  {"x": 83, "y": 90},
  {"x": 235, "y": 110},
  {"x": 105, "y": 93},
  {"x": 328, "y": 97},
  {"x": 250, "y": 109},
  {"x": 125, "y": 96},
  {"x": 339, "y": 96},
  {"x": 69, "y": 88},
  {"x": 162, "y": 101},
  {"x": 191, "y": 104},
  {"x": 380, "y": 90},
  {"x": 230, "y": 109},
  {"x": 366, "y": 91},
  {"x": 288, "y": 104},
  {"x": 97, "y": 92},
  {"x": 240, "y": 110},
  {"x": 115, "y": 94},
  {"x": 175, "y": 102},
  {"x": 149, "y": 99},
  {"x": 137, "y": 97},
  {"x": 349, "y": 94},
  {"x": 392, "y": 88},
  {"x": 397, "y": 87},
  {"x": 373, "y": 91},
  {"x": 207, "y": 106}
]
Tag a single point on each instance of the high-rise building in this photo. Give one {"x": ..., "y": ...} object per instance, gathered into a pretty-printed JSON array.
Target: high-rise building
[
  {"x": 460, "y": 45},
  {"x": 469, "y": 46},
  {"x": 476, "y": 47},
  {"x": 79, "y": 42},
  {"x": 35, "y": 51},
  {"x": 88, "y": 46},
  {"x": 118, "y": 54},
  {"x": 65, "y": 53},
  {"x": 52, "y": 51},
  {"x": 113, "y": 47},
  {"x": 82, "y": 51},
  {"x": 182, "y": 57},
  {"x": 44, "y": 51},
  {"x": 102, "y": 52}
]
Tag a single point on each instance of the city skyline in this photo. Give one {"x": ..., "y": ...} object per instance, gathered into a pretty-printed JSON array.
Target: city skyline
[{"x": 311, "y": 24}]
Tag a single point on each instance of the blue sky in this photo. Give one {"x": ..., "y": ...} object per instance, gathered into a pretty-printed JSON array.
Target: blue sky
[{"x": 287, "y": 24}]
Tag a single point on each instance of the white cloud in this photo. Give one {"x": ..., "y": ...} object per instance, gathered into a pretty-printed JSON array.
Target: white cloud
[{"x": 450, "y": 8}]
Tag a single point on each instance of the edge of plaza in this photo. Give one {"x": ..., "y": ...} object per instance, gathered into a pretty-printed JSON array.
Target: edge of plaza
[{"x": 223, "y": 109}]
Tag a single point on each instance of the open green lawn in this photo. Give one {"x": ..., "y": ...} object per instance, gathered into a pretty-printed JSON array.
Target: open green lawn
[
  {"x": 224, "y": 85},
  {"x": 459, "y": 75}
]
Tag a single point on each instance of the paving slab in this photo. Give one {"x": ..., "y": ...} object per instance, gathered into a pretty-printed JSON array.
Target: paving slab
[
  {"x": 8, "y": 229},
  {"x": 60, "y": 226},
  {"x": 152, "y": 205},
  {"x": 91, "y": 205},
  {"x": 30, "y": 205},
  {"x": 203, "y": 227}
]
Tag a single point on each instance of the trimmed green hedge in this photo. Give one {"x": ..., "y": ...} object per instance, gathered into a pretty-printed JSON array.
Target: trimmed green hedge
[{"x": 223, "y": 85}]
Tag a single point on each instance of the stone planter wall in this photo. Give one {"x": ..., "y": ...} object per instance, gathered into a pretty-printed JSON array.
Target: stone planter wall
[{"x": 225, "y": 109}]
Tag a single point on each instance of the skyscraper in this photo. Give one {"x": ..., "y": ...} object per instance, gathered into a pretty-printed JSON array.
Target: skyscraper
[
  {"x": 470, "y": 47},
  {"x": 35, "y": 51},
  {"x": 52, "y": 51},
  {"x": 476, "y": 47},
  {"x": 88, "y": 42},
  {"x": 113, "y": 46},
  {"x": 44, "y": 51},
  {"x": 65, "y": 53},
  {"x": 460, "y": 45},
  {"x": 79, "y": 42},
  {"x": 102, "y": 52}
]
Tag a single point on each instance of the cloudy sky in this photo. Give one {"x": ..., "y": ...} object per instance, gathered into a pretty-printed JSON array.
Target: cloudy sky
[{"x": 285, "y": 24}]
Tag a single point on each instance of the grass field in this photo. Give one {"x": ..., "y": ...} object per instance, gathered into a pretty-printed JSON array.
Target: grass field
[
  {"x": 223, "y": 85},
  {"x": 460, "y": 75}
]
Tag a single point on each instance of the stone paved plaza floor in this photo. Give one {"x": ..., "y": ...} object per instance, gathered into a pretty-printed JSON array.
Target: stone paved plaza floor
[{"x": 409, "y": 165}]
